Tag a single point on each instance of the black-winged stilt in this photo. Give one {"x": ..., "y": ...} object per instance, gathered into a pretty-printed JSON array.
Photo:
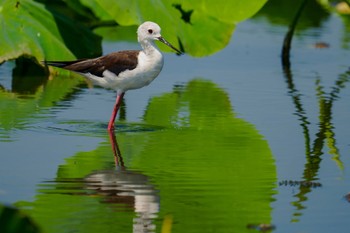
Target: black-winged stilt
[{"x": 123, "y": 70}]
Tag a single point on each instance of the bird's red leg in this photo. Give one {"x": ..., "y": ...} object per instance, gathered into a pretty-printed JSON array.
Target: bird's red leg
[{"x": 118, "y": 101}]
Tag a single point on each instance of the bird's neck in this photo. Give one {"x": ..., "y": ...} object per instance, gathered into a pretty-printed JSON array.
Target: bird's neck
[{"x": 149, "y": 47}]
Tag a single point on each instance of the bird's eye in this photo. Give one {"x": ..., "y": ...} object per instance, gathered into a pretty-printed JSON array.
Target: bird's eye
[{"x": 150, "y": 31}]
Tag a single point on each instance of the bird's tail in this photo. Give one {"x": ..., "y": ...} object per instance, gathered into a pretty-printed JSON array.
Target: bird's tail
[{"x": 60, "y": 64}]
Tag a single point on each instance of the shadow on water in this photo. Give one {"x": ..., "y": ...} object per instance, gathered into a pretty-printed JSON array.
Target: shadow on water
[{"x": 325, "y": 134}]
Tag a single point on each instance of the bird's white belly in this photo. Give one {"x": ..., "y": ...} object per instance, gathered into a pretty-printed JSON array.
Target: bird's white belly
[
  {"x": 145, "y": 72},
  {"x": 148, "y": 68}
]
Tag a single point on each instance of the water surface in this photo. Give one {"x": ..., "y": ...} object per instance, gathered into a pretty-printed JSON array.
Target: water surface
[{"x": 227, "y": 143}]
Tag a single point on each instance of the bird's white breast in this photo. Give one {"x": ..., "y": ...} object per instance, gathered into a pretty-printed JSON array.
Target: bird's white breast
[{"x": 148, "y": 67}]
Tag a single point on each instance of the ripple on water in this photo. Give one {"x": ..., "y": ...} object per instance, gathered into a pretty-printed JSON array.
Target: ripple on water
[
  {"x": 89, "y": 127},
  {"x": 122, "y": 198}
]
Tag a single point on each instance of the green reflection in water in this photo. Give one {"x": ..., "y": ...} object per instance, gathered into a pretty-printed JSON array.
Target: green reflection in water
[
  {"x": 202, "y": 166},
  {"x": 18, "y": 110},
  {"x": 214, "y": 171}
]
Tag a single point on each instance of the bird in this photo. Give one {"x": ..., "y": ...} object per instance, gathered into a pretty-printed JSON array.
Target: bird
[{"x": 123, "y": 70}]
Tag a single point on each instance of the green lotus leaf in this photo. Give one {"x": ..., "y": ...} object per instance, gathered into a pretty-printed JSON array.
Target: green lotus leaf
[
  {"x": 203, "y": 27},
  {"x": 29, "y": 28}
]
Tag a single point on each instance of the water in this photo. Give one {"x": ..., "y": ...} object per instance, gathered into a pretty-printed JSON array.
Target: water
[{"x": 226, "y": 143}]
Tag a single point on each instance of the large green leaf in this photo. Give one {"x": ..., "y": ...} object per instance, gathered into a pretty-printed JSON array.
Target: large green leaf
[
  {"x": 28, "y": 28},
  {"x": 281, "y": 12},
  {"x": 203, "y": 27}
]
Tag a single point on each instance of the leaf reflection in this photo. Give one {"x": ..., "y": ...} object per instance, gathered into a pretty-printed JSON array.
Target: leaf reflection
[
  {"x": 200, "y": 166},
  {"x": 313, "y": 150},
  {"x": 129, "y": 194}
]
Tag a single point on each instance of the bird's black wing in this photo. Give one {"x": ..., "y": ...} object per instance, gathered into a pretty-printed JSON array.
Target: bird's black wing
[{"x": 116, "y": 62}]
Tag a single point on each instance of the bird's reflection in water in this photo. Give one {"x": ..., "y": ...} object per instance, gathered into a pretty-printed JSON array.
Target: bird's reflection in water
[{"x": 127, "y": 187}]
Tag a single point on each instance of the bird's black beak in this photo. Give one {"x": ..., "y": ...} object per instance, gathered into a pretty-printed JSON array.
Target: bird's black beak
[{"x": 161, "y": 39}]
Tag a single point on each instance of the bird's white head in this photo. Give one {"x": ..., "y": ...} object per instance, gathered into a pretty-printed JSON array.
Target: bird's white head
[{"x": 149, "y": 32}]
